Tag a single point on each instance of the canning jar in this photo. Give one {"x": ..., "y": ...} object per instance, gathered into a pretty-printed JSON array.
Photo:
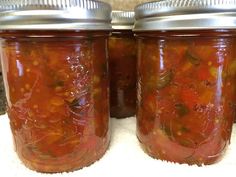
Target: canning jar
[
  {"x": 122, "y": 62},
  {"x": 186, "y": 79},
  {"x": 55, "y": 67}
]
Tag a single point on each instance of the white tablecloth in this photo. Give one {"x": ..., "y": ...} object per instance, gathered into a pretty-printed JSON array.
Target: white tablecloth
[{"x": 124, "y": 158}]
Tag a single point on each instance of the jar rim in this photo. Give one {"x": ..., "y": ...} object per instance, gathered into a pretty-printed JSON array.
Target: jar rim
[
  {"x": 122, "y": 20},
  {"x": 54, "y": 15},
  {"x": 185, "y": 15}
]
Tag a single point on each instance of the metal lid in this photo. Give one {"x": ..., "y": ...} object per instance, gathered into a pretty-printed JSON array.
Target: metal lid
[
  {"x": 186, "y": 15},
  {"x": 54, "y": 15},
  {"x": 123, "y": 20}
]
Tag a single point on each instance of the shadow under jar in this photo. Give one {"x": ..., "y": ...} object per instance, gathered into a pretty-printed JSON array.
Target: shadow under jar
[
  {"x": 122, "y": 64},
  {"x": 186, "y": 85},
  {"x": 57, "y": 85}
]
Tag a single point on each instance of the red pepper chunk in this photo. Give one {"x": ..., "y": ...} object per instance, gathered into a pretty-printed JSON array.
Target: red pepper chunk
[{"x": 189, "y": 97}]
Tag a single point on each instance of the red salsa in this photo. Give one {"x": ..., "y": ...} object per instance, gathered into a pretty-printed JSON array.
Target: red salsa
[
  {"x": 122, "y": 62},
  {"x": 57, "y": 90},
  {"x": 186, "y": 95}
]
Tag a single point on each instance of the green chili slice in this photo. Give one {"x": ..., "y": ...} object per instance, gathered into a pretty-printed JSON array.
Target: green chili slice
[
  {"x": 181, "y": 109},
  {"x": 192, "y": 58},
  {"x": 165, "y": 79}
]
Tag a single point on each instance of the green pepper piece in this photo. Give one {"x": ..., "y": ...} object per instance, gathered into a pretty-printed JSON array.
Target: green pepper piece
[
  {"x": 232, "y": 68},
  {"x": 184, "y": 130},
  {"x": 181, "y": 109},
  {"x": 167, "y": 131},
  {"x": 192, "y": 58},
  {"x": 74, "y": 103},
  {"x": 59, "y": 83},
  {"x": 164, "y": 79}
]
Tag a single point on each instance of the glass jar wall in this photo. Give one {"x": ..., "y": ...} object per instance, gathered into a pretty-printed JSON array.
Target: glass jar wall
[
  {"x": 186, "y": 94},
  {"x": 55, "y": 68},
  {"x": 57, "y": 90},
  {"x": 122, "y": 62}
]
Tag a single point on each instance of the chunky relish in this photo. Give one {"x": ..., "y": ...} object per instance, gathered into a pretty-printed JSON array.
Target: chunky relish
[
  {"x": 123, "y": 62},
  {"x": 58, "y": 99},
  {"x": 186, "y": 95}
]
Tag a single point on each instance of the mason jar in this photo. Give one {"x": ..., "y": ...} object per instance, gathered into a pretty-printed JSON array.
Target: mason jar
[
  {"x": 55, "y": 69},
  {"x": 186, "y": 79},
  {"x": 122, "y": 62}
]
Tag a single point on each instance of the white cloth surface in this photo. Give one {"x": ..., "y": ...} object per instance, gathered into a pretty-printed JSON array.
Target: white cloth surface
[{"x": 124, "y": 158}]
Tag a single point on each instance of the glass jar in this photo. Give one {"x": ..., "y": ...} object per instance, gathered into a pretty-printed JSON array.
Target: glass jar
[
  {"x": 186, "y": 80},
  {"x": 57, "y": 82},
  {"x": 122, "y": 62}
]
